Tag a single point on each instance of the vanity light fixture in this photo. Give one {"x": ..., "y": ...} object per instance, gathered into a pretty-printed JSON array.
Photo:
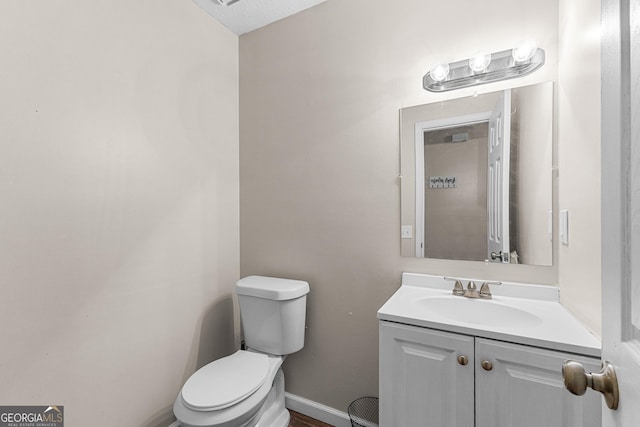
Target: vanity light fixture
[
  {"x": 524, "y": 51},
  {"x": 439, "y": 72},
  {"x": 523, "y": 59},
  {"x": 479, "y": 63}
]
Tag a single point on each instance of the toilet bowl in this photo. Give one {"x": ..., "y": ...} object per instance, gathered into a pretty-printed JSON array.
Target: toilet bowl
[
  {"x": 234, "y": 392},
  {"x": 246, "y": 389}
]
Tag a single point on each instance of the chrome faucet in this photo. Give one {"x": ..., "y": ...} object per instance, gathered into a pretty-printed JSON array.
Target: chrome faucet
[
  {"x": 459, "y": 290},
  {"x": 471, "y": 291}
]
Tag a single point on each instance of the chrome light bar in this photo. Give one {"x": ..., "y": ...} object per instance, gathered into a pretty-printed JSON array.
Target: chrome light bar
[{"x": 502, "y": 66}]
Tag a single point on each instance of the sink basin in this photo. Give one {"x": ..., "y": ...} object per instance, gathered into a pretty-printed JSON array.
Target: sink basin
[{"x": 477, "y": 312}]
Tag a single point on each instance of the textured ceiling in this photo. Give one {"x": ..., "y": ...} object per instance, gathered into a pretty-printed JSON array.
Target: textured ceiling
[{"x": 243, "y": 16}]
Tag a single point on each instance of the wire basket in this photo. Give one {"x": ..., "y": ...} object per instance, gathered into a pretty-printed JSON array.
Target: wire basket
[{"x": 363, "y": 412}]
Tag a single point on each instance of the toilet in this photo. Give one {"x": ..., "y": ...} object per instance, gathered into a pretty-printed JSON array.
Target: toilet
[{"x": 246, "y": 389}]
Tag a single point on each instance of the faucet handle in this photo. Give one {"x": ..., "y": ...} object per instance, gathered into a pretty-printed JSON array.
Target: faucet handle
[
  {"x": 457, "y": 288},
  {"x": 485, "y": 291}
]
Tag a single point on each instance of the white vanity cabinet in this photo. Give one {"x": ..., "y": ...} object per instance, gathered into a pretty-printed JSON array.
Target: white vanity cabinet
[
  {"x": 433, "y": 378},
  {"x": 421, "y": 381}
]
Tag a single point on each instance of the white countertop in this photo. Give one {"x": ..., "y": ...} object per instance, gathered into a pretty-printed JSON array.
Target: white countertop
[{"x": 554, "y": 329}]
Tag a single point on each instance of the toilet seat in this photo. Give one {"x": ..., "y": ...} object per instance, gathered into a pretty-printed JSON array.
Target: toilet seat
[
  {"x": 225, "y": 382},
  {"x": 235, "y": 415}
]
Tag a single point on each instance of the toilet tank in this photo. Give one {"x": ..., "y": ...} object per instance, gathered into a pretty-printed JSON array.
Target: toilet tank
[{"x": 273, "y": 313}]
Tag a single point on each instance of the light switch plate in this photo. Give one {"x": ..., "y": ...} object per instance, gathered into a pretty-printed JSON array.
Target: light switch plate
[
  {"x": 406, "y": 231},
  {"x": 564, "y": 227}
]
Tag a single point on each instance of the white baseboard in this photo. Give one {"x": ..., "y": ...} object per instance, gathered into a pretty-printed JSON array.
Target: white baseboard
[{"x": 316, "y": 410}]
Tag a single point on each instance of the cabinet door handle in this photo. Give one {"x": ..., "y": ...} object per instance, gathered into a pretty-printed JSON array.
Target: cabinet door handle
[
  {"x": 463, "y": 360},
  {"x": 486, "y": 365}
]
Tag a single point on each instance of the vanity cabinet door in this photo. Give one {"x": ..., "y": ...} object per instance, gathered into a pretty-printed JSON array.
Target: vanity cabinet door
[
  {"x": 522, "y": 386},
  {"x": 424, "y": 380}
]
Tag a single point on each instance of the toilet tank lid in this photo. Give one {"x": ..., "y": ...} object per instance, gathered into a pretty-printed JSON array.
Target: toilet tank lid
[{"x": 272, "y": 287}]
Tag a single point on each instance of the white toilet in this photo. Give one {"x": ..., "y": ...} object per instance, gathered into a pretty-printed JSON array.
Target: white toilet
[{"x": 247, "y": 387}]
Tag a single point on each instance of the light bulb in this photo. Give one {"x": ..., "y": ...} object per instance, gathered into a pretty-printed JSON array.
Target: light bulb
[
  {"x": 439, "y": 72},
  {"x": 479, "y": 63},
  {"x": 524, "y": 50}
]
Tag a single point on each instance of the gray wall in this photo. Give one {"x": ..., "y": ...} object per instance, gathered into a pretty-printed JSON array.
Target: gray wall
[
  {"x": 119, "y": 220},
  {"x": 120, "y": 179},
  {"x": 455, "y": 219},
  {"x": 319, "y": 150},
  {"x": 534, "y": 154},
  {"x": 579, "y": 158}
]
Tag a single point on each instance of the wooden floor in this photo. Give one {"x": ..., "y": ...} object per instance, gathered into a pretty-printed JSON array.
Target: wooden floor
[{"x": 299, "y": 420}]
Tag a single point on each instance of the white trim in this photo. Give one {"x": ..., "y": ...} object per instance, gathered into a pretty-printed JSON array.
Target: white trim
[
  {"x": 317, "y": 410},
  {"x": 420, "y": 129}
]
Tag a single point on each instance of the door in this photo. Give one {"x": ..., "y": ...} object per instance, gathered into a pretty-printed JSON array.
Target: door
[
  {"x": 621, "y": 204},
  {"x": 426, "y": 377},
  {"x": 420, "y": 177},
  {"x": 522, "y": 386},
  {"x": 498, "y": 180}
]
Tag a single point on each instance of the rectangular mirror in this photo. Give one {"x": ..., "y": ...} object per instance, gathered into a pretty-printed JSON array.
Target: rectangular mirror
[{"x": 477, "y": 178}]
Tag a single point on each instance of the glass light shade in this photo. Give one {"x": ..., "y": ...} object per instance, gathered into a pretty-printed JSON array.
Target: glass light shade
[
  {"x": 524, "y": 50},
  {"x": 479, "y": 63},
  {"x": 439, "y": 72}
]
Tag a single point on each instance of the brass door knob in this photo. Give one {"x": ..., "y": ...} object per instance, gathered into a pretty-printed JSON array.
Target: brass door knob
[
  {"x": 463, "y": 360},
  {"x": 576, "y": 380},
  {"x": 486, "y": 365}
]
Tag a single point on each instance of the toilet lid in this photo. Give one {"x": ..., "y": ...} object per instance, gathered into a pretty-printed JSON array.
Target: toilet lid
[{"x": 225, "y": 382}]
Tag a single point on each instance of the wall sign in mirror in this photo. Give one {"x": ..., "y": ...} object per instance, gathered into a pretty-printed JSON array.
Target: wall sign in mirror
[{"x": 496, "y": 150}]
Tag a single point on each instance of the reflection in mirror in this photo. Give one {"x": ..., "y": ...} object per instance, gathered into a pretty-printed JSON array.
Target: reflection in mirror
[{"x": 476, "y": 180}]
